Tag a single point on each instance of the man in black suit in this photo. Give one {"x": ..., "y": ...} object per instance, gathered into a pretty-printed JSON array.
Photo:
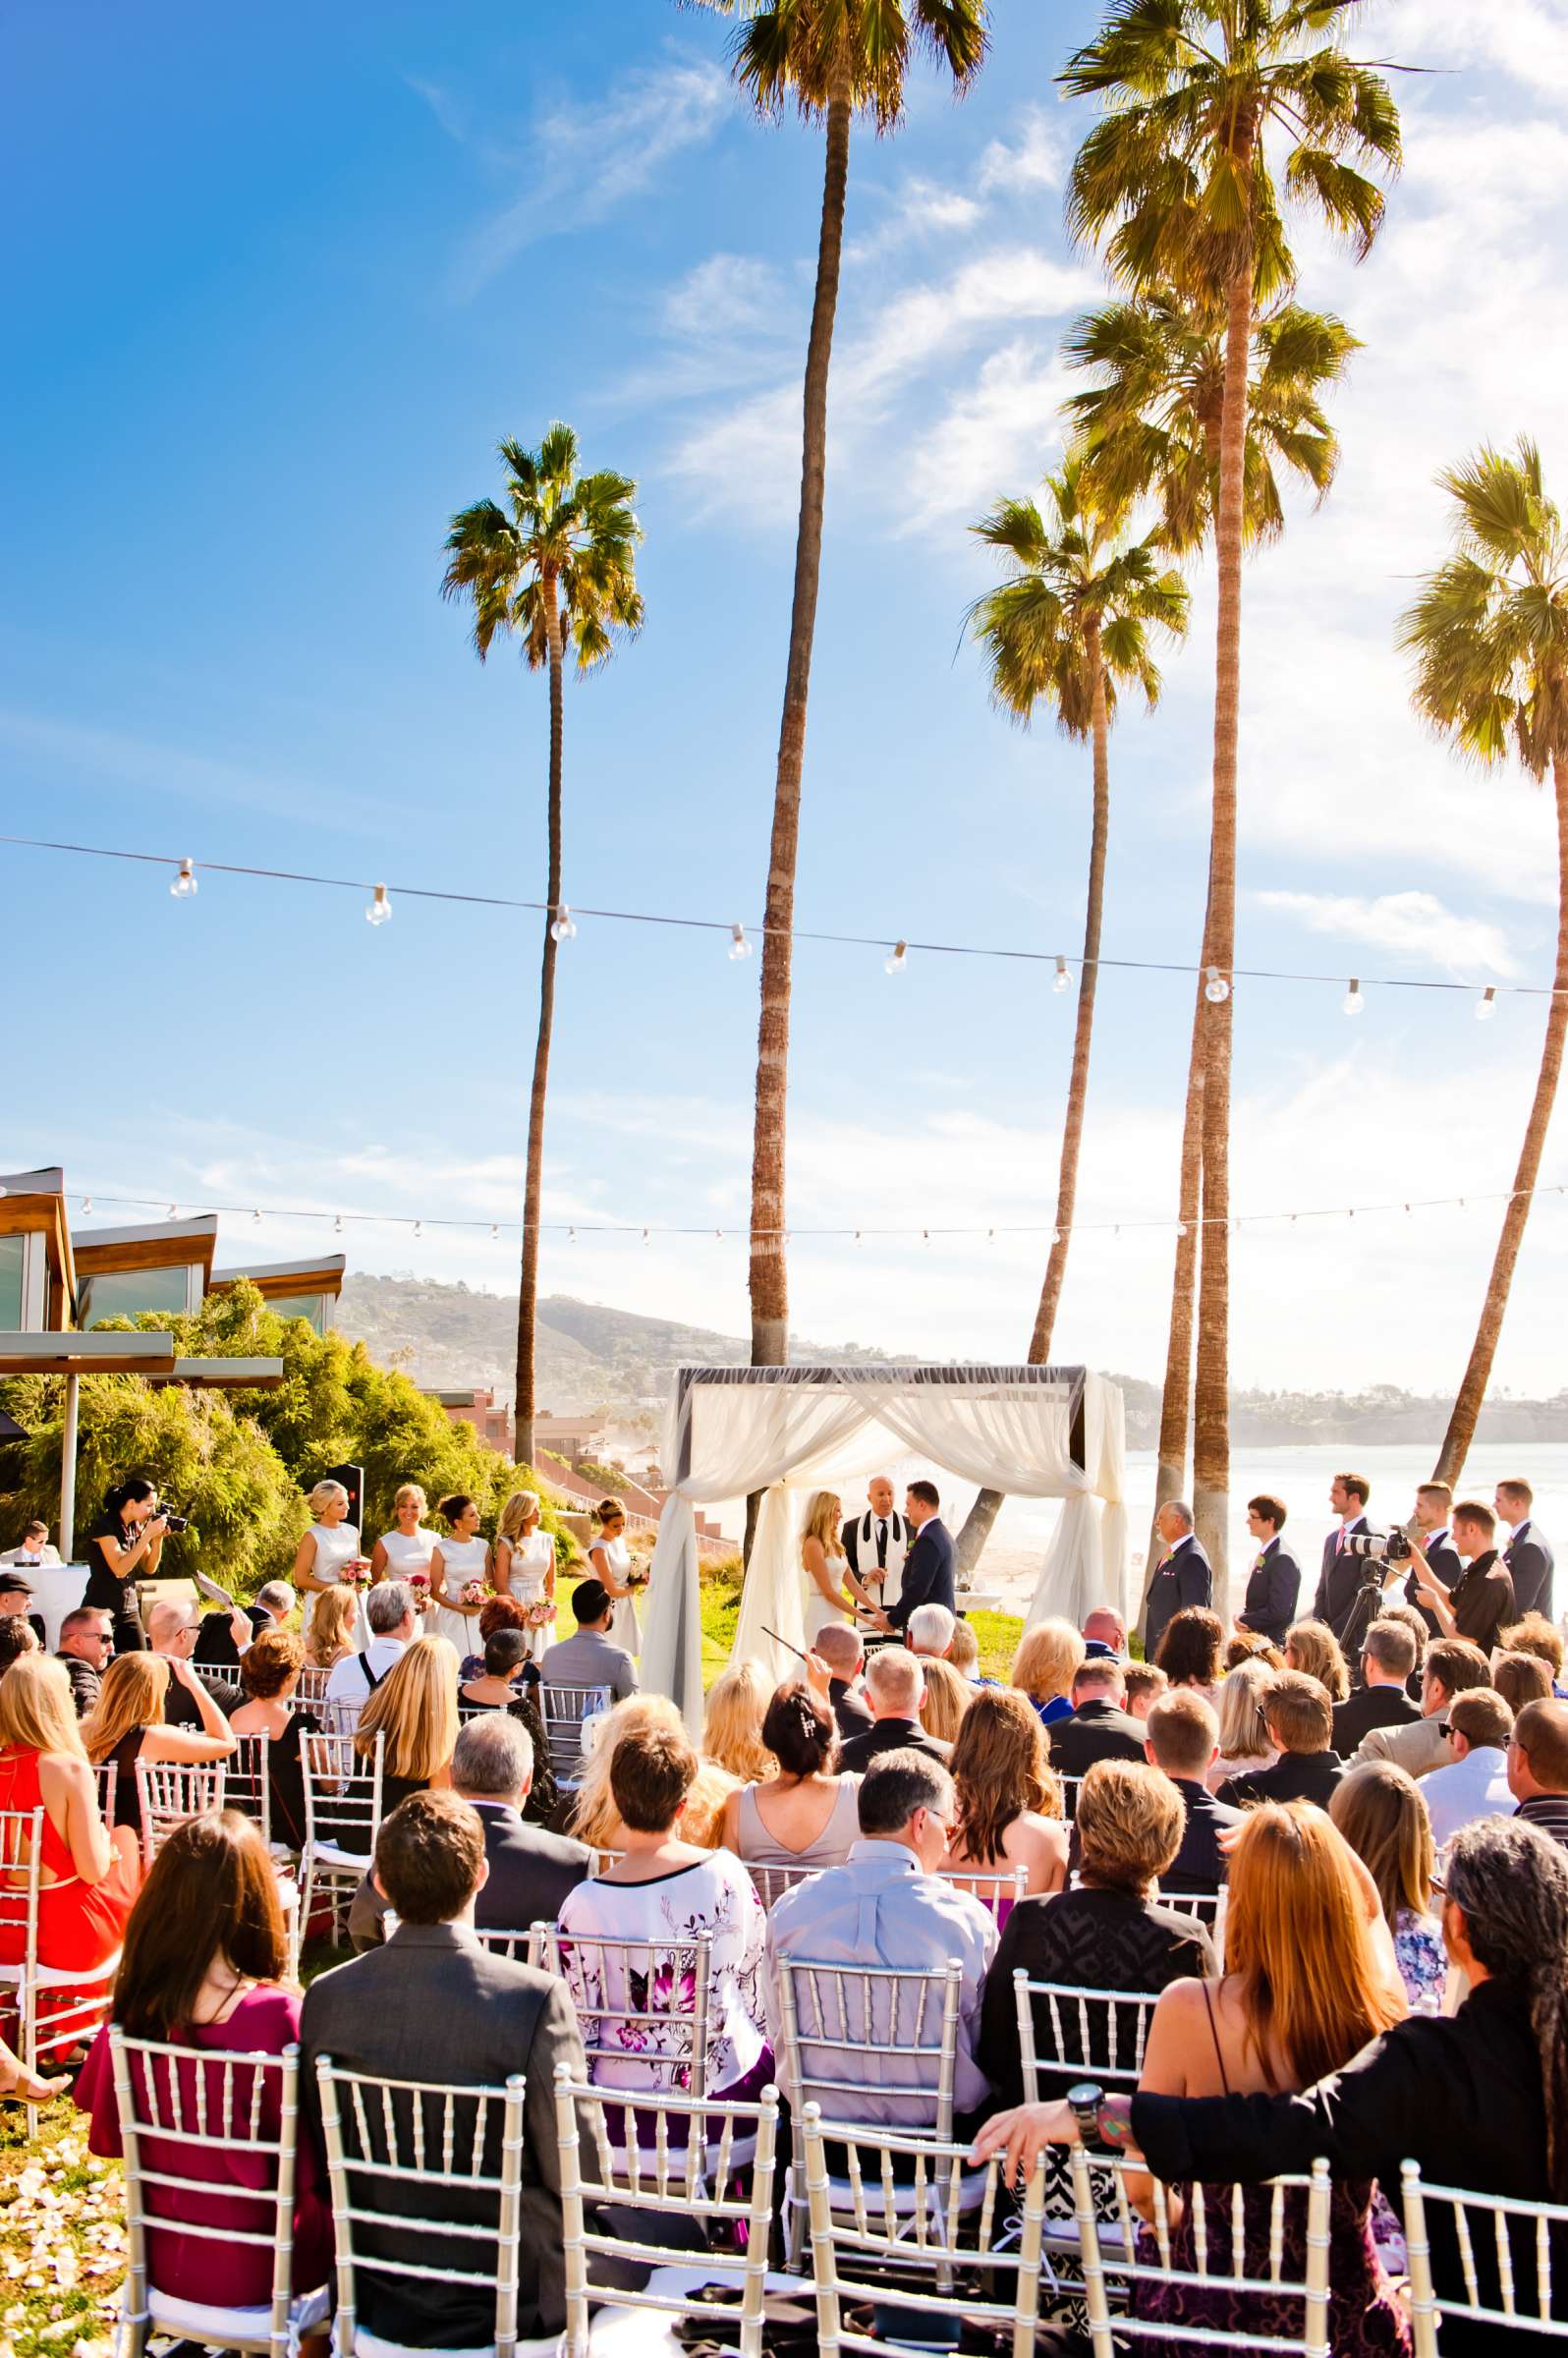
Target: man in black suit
[
  {"x": 1184, "y": 1745},
  {"x": 531, "y": 1871},
  {"x": 1344, "y": 1574},
  {"x": 1527, "y": 1558},
  {"x": 1184, "y": 1578},
  {"x": 843, "y": 1651},
  {"x": 895, "y": 1687},
  {"x": 930, "y": 1569},
  {"x": 1099, "y": 1729},
  {"x": 172, "y": 1631},
  {"x": 1275, "y": 1582},
  {"x": 219, "y": 1645},
  {"x": 1301, "y": 1728},
  {"x": 436, "y": 2007},
  {"x": 1382, "y": 1700}
]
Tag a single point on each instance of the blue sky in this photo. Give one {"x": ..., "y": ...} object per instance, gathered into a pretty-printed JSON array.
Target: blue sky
[{"x": 301, "y": 273}]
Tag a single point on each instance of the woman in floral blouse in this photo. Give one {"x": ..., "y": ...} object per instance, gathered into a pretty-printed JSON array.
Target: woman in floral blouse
[{"x": 1380, "y": 1810}]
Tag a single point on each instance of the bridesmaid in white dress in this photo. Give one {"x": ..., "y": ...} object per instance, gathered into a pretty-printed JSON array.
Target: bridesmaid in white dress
[
  {"x": 524, "y": 1566},
  {"x": 465, "y": 1556},
  {"x": 611, "y": 1559},
  {"x": 409, "y": 1545},
  {"x": 826, "y": 1567},
  {"x": 328, "y": 1551}
]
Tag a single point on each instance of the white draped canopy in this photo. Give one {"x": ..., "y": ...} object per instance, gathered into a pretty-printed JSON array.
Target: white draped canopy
[{"x": 1033, "y": 1433}]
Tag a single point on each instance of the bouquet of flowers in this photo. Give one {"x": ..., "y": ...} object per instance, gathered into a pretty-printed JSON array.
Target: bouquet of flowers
[
  {"x": 637, "y": 1578},
  {"x": 420, "y": 1582},
  {"x": 355, "y": 1573},
  {"x": 540, "y": 1614},
  {"x": 471, "y": 1596}
]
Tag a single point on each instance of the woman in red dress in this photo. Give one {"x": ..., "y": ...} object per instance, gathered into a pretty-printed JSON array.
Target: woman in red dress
[{"x": 85, "y": 1888}]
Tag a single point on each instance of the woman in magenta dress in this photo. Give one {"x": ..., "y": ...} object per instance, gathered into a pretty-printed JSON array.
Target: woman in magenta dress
[
  {"x": 85, "y": 1888},
  {"x": 203, "y": 1968}
]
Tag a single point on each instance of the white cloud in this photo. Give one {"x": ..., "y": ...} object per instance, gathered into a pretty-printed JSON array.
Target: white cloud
[
  {"x": 1038, "y": 160},
  {"x": 172, "y": 770},
  {"x": 1527, "y": 39},
  {"x": 727, "y": 294},
  {"x": 1404, "y": 924},
  {"x": 998, "y": 434}
]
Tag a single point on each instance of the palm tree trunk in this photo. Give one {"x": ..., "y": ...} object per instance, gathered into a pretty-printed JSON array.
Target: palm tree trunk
[
  {"x": 1211, "y": 1387},
  {"x": 982, "y": 1514},
  {"x": 1472, "y": 1390},
  {"x": 528, "y": 1287},
  {"x": 1170, "y": 1472},
  {"x": 769, "y": 1279}
]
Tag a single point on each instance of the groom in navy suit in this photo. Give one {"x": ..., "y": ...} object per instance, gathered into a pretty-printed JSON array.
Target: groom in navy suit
[{"x": 930, "y": 1571}]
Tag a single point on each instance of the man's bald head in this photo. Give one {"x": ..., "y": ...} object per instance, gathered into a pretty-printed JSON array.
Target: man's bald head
[
  {"x": 840, "y": 1648},
  {"x": 166, "y": 1625},
  {"x": 895, "y": 1683}
]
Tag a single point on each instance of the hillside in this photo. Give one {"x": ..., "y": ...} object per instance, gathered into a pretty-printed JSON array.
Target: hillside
[{"x": 591, "y": 1357}]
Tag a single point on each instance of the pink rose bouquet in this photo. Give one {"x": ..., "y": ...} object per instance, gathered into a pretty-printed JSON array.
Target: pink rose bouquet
[{"x": 472, "y": 1596}]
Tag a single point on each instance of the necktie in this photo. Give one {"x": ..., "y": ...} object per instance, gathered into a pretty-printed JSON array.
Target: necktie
[{"x": 882, "y": 1544}]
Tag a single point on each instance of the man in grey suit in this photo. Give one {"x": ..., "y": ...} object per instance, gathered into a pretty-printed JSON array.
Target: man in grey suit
[
  {"x": 433, "y": 2006},
  {"x": 590, "y": 1659},
  {"x": 1527, "y": 1558}
]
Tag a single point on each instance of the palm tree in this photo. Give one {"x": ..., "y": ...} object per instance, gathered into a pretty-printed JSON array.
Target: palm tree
[
  {"x": 1490, "y": 634},
  {"x": 833, "y": 59},
  {"x": 1151, "y": 426},
  {"x": 1177, "y": 178},
  {"x": 557, "y": 563},
  {"x": 1069, "y": 627}
]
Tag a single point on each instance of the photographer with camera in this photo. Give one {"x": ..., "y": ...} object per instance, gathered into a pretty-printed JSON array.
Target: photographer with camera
[
  {"x": 1482, "y": 1600},
  {"x": 125, "y": 1545}
]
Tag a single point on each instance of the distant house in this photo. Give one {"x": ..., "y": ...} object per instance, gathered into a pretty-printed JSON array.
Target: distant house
[{"x": 478, "y": 1408}]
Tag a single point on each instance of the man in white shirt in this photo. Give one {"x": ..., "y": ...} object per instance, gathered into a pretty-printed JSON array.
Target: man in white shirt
[
  {"x": 931, "y": 1631},
  {"x": 34, "y": 1548},
  {"x": 877, "y": 1543},
  {"x": 1475, "y": 1784},
  {"x": 394, "y": 1622}
]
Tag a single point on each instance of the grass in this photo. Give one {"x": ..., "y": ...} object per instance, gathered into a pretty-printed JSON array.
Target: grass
[
  {"x": 62, "y": 2237},
  {"x": 997, "y": 1632}
]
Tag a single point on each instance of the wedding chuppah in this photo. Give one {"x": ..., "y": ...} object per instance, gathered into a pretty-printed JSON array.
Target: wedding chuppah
[{"x": 1032, "y": 1432}]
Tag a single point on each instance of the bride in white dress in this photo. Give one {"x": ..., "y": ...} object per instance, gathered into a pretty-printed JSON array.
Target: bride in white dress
[
  {"x": 826, "y": 1567},
  {"x": 524, "y": 1568},
  {"x": 611, "y": 1559},
  {"x": 464, "y": 1557}
]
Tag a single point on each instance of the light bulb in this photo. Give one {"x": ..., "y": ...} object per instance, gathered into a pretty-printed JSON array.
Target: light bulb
[
  {"x": 571, "y": 1236},
  {"x": 495, "y": 1232},
  {"x": 174, "y": 1212},
  {"x": 87, "y": 1203},
  {"x": 856, "y": 1236},
  {"x": 184, "y": 886},
  {"x": 1056, "y": 1236},
  {"x": 419, "y": 1228},
  {"x": 1217, "y": 991},
  {"x": 337, "y": 1225},
  {"x": 563, "y": 925},
  {"x": 1352, "y": 1003},
  {"x": 255, "y": 1219},
  {"x": 381, "y": 908},
  {"x": 1181, "y": 1227},
  {"x": 1487, "y": 1007},
  {"x": 644, "y": 1236},
  {"x": 1062, "y": 979},
  {"x": 926, "y": 1236},
  {"x": 740, "y": 947},
  {"x": 990, "y": 1236},
  {"x": 897, "y": 959}
]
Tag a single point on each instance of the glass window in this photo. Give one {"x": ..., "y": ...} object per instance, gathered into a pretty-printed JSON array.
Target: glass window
[
  {"x": 127, "y": 1293},
  {"x": 300, "y": 1306},
  {"x": 13, "y": 1259}
]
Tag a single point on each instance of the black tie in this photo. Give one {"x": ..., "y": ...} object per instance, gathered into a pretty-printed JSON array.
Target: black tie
[{"x": 882, "y": 1544}]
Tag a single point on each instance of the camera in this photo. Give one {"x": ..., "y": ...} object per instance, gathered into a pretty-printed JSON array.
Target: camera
[
  {"x": 1379, "y": 1545},
  {"x": 171, "y": 1521}
]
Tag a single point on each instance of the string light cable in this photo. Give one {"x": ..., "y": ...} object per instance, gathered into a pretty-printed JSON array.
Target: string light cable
[{"x": 896, "y": 954}]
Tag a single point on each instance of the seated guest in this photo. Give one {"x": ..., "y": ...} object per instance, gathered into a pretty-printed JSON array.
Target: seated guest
[
  {"x": 504, "y": 1612},
  {"x": 531, "y": 1871},
  {"x": 172, "y": 1631},
  {"x": 1009, "y": 1803},
  {"x": 329, "y": 1640},
  {"x": 1245, "y": 1743},
  {"x": 1481, "y": 1602},
  {"x": 1312, "y": 1648},
  {"x": 594, "y": 1817},
  {"x": 221, "y": 1642},
  {"x": 86, "y": 1638},
  {"x": 1538, "y": 1767},
  {"x": 269, "y": 1672},
  {"x": 34, "y": 1547},
  {"x": 129, "y": 1725},
  {"x": 590, "y": 1659},
  {"x": 1145, "y": 1684},
  {"x": 415, "y": 1710},
  {"x": 434, "y": 2005},
  {"x": 1452, "y": 1668},
  {"x": 964, "y": 1654},
  {"x": 1481, "y": 2096},
  {"x": 1241, "y": 1647},
  {"x": 931, "y": 1631},
  {"x": 1388, "y": 1658},
  {"x": 16, "y": 1597},
  {"x": 845, "y": 1657},
  {"x": 1474, "y": 1783},
  {"x": 1533, "y": 1634},
  {"x": 394, "y": 1621},
  {"x": 1184, "y": 1745},
  {"x": 17, "y": 1637},
  {"x": 1410, "y": 1618},
  {"x": 1301, "y": 1728},
  {"x": 86, "y": 1887},
  {"x": 803, "y": 1814},
  {"x": 1099, "y": 1729},
  {"x": 494, "y": 1686},
  {"x": 1106, "y": 1632},
  {"x": 1045, "y": 1667},
  {"x": 1380, "y": 1810},
  {"x": 946, "y": 1699},
  {"x": 888, "y": 1907},
  {"x": 1274, "y": 1582},
  {"x": 1190, "y": 1651},
  {"x": 664, "y": 1890},
  {"x": 507, "y": 1662},
  {"x": 895, "y": 1687},
  {"x": 732, "y": 1724},
  {"x": 1520, "y": 1679},
  {"x": 206, "y": 1967},
  {"x": 1109, "y": 1934}
]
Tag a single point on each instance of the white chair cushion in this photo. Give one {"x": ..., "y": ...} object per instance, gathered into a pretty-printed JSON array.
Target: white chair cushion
[
  {"x": 70, "y": 1977},
  {"x": 226, "y": 2326},
  {"x": 329, "y": 1854},
  {"x": 372, "y": 2346}
]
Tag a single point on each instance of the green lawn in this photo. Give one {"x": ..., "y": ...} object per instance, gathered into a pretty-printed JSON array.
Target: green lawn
[{"x": 998, "y": 1633}]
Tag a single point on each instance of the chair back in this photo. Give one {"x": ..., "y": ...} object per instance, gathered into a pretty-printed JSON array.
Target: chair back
[
  {"x": 453, "y": 2151},
  {"x": 20, "y": 1846},
  {"x": 249, "y": 1786},
  {"x": 1206, "y": 1908},
  {"x": 342, "y": 1794},
  {"x": 563, "y": 1710},
  {"x": 1071, "y": 1787},
  {"x": 1497, "y": 2260},
  {"x": 996, "y": 1888},
  {"x": 644, "y": 2007},
  {"x": 526, "y": 1945},
  {"x": 603, "y": 1858},
  {"x": 693, "y": 2166},
  {"x": 106, "y": 1774},
  {"x": 856, "y": 2039},
  {"x": 311, "y": 1687},
  {"x": 179, "y": 2107},
  {"x": 168, "y": 1792},
  {"x": 912, "y": 2203},
  {"x": 1094, "y": 2034},
  {"x": 1233, "y": 2248},
  {"x": 773, "y": 1882}
]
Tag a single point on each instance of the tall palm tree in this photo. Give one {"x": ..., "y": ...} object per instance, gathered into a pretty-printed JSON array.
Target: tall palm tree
[
  {"x": 1151, "y": 428},
  {"x": 1490, "y": 634},
  {"x": 557, "y": 564},
  {"x": 831, "y": 59},
  {"x": 1069, "y": 627},
  {"x": 1178, "y": 177}
]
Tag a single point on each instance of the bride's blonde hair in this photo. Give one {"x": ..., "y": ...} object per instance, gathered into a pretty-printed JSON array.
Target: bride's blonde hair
[{"x": 824, "y": 1518}]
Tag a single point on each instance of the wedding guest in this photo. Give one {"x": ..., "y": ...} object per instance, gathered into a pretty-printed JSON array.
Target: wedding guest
[
  {"x": 269, "y": 1674},
  {"x": 499, "y": 1687},
  {"x": 32, "y": 1549},
  {"x": 1106, "y": 1632},
  {"x": 222, "y": 1637},
  {"x": 130, "y": 1725},
  {"x": 460, "y": 1568},
  {"x": 1388, "y": 1658},
  {"x": 1533, "y": 1634},
  {"x": 945, "y": 1701},
  {"x": 1143, "y": 1684},
  {"x": 410, "y": 1544},
  {"x": 1344, "y": 1573},
  {"x": 85, "y": 1636},
  {"x": 895, "y": 1687},
  {"x": 804, "y": 1813},
  {"x": 173, "y": 1628},
  {"x": 125, "y": 1545},
  {"x": 589, "y": 1659},
  {"x": 415, "y": 1709},
  {"x": 594, "y": 1817},
  {"x": 1242, "y": 1647},
  {"x": 1474, "y": 1783},
  {"x": 394, "y": 1621},
  {"x": 1481, "y": 1602},
  {"x": 1538, "y": 1767},
  {"x": 205, "y": 1968},
  {"x": 1521, "y": 1678},
  {"x": 1527, "y": 1559},
  {"x": 843, "y": 1650},
  {"x": 664, "y": 1889},
  {"x": 929, "y": 1631},
  {"x": 827, "y": 1572},
  {"x": 493, "y": 1687},
  {"x": 329, "y": 1552},
  {"x": 1099, "y": 1729},
  {"x": 1380, "y": 1810},
  {"x": 524, "y": 1566},
  {"x": 1009, "y": 1805},
  {"x": 1184, "y": 1745},
  {"x": 87, "y": 1886},
  {"x": 1183, "y": 1577},
  {"x": 1190, "y": 1651},
  {"x": 1301, "y": 1728},
  {"x": 1453, "y": 1666},
  {"x": 330, "y": 1639},
  {"x": 1109, "y": 1934},
  {"x": 16, "y": 1603},
  {"x": 1245, "y": 1743},
  {"x": 17, "y": 1637},
  {"x": 610, "y": 1561},
  {"x": 732, "y": 1727},
  {"x": 1274, "y": 1582},
  {"x": 965, "y": 1655},
  {"x": 498, "y": 1612},
  {"x": 1313, "y": 1648},
  {"x": 1412, "y": 1618},
  {"x": 1045, "y": 1667}
]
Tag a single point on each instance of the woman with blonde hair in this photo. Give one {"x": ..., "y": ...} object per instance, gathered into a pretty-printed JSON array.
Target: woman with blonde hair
[
  {"x": 333, "y": 1627},
  {"x": 827, "y": 1566},
  {"x": 415, "y": 1709},
  {"x": 1009, "y": 1803},
  {"x": 1313, "y": 1647},
  {"x": 1245, "y": 1743},
  {"x": 87, "y": 1886},
  {"x": 610, "y": 1560},
  {"x": 523, "y": 1566},
  {"x": 596, "y": 1820},
  {"x": 127, "y": 1724},
  {"x": 328, "y": 1553},
  {"x": 1383, "y": 1815},
  {"x": 947, "y": 1699},
  {"x": 732, "y": 1730},
  {"x": 407, "y": 1549},
  {"x": 1046, "y": 1666}
]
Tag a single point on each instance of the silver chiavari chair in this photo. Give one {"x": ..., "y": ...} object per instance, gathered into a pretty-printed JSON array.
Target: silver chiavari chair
[
  {"x": 168, "y": 1792},
  {"x": 996, "y": 1888},
  {"x": 565, "y": 1712},
  {"x": 918, "y": 2223},
  {"x": 604, "y": 1858},
  {"x": 773, "y": 1882},
  {"x": 342, "y": 1818},
  {"x": 524, "y": 1945},
  {"x": 673, "y": 2202},
  {"x": 310, "y": 1690},
  {"x": 1071, "y": 1787},
  {"x": 1095, "y": 2034},
  {"x": 644, "y": 2002},
  {"x": 55, "y": 2007},
  {"x": 1206, "y": 1908},
  {"x": 247, "y": 1788},
  {"x": 181, "y": 2108},
  {"x": 107, "y": 1776},
  {"x": 1506, "y": 2252}
]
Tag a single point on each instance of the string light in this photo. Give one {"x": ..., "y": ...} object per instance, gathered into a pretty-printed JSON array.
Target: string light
[
  {"x": 1486, "y": 1005},
  {"x": 337, "y": 1225},
  {"x": 897, "y": 958},
  {"x": 1062, "y": 979},
  {"x": 1217, "y": 991},
  {"x": 1352, "y": 1003},
  {"x": 1181, "y": 1227},
  {"x": 495, "y": 1232},
  {"x": 563, "y": 925},
  {"x": 87, "y": 1206},
  {"x": 740, "y": 947},
  {"x": 571, "y": 1236},
  {"x": 419, "y": 1228},
  {"x": 174, "y": 1212},
  {"x": 255, "y": 1219},
  {"x": 380, "y": 909},
  {"x": 184, "y": 886}
]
